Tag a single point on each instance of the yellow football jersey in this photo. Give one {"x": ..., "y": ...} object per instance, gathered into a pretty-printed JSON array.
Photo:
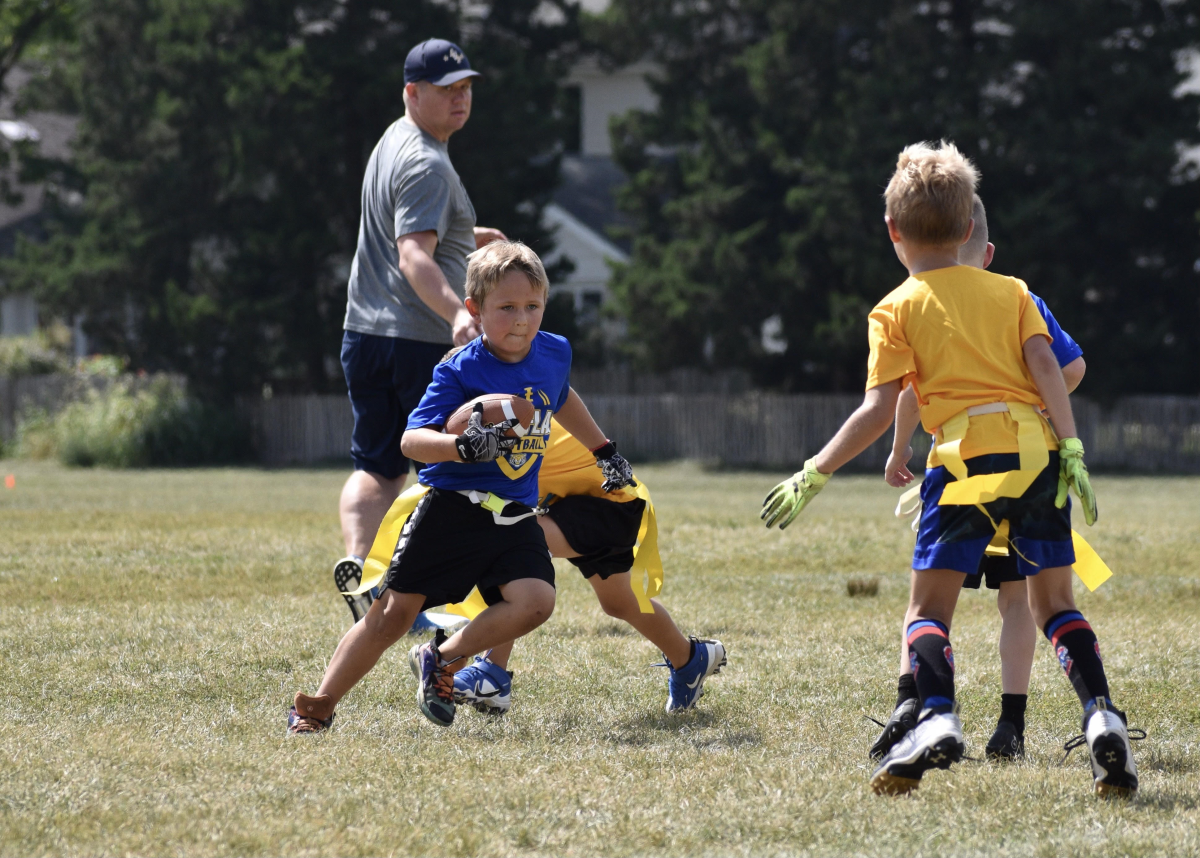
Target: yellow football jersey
[{"x": 956, "y": 334}]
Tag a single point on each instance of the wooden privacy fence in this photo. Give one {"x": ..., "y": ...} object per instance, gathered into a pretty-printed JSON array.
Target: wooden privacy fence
[{"x": 1157, "y": 434}]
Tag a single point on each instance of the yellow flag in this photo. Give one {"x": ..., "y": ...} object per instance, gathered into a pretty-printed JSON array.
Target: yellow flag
[
  {"x": 646, "y": 575},
  {"x": 1092, "y": 571},
  {"x": 386, "y": 538}
]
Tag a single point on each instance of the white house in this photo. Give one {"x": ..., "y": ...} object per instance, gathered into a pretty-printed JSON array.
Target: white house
[{"x": 584, "y": 206}]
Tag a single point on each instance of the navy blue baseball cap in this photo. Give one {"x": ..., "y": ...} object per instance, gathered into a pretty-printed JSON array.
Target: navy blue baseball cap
[{"x": 437, "y": 61}]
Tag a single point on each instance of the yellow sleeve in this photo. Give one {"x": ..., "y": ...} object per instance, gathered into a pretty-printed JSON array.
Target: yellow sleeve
[
  {"x": 1032, "y": 322},
  {"x": 891, "y": 356}
]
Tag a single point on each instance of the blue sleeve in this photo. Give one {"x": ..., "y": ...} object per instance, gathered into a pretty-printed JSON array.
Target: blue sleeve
[
  {"x": 1064, "y": 348},
  {"x": 444, "y": 394},
  {"x": 561, "y": 398}
]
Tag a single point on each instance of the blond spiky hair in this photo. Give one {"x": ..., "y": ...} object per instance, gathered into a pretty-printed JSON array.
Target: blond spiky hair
[
  {"x": 930, "y": 195},
  {"x": 487, "y": 266}
]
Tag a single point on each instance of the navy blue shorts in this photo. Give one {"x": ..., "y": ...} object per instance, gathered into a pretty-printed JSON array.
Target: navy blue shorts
[
  {"x": 387, "y": 377},
  {"x": 954, "y": 537}
]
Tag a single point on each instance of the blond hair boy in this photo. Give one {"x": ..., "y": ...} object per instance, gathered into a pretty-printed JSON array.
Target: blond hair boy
[
  {"x": 476, "y": 526},
  {"x": 977, "y": 353}
]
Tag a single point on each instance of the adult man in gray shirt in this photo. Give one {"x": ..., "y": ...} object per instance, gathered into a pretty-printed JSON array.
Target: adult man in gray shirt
[{"x": 404, "y": 308}]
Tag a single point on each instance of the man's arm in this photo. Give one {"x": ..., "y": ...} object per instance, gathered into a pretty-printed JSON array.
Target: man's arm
[
  {"x": 862, "y": 428},
  {"x": 1048, "y": 377},
  {"x": 430, "y": 284},
  {"x": 1073, "y": 373},
  {"x": 908, "y": 416},
  {"x": 486, "y": 235}
]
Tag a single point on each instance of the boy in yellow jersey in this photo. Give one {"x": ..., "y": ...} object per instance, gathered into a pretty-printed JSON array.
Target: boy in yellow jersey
[
  {"x": 977, "y": 353},
  {"x": 596, "y": 531},
  {"x": 1018, "y": 632}
]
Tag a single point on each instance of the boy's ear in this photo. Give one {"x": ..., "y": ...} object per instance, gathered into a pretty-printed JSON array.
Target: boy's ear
[
  {"x": 893, "y": 233},
  {"x": 970, "y": 231},
  {"x": 988, "y": 254},
  {"x": 473, "y": 308}
]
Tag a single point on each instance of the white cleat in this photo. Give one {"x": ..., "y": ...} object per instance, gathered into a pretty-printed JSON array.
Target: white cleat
[
  {"x": 1112, "y": 759},
  {"x": 935, "y": 743}
]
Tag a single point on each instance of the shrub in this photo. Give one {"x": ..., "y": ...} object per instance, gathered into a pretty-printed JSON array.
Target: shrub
[
  {"x": 35, "y": 437},
  {"x": 40, "y": 353},
  {"x": 130, "y": 425}
]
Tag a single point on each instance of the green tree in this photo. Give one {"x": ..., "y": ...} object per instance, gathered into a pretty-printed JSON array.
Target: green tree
[
  {"x": 220, "y": 158},
  {"x": 756, "y": 185}
]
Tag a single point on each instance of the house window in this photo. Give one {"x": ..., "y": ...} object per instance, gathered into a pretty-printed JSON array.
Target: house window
[{"x": 570, "y": 108}]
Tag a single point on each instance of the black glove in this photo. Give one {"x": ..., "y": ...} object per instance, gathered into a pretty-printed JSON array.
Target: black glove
[
  {"x": 617, "y": 472},
  {"x": 479, "y": 443}
]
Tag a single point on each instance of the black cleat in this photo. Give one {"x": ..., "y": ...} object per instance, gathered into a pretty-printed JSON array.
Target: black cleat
[
  {"x": 347, "y": 576},
  {"x": 903, "y": 719},
  {"x": 1007, "y": 743}
]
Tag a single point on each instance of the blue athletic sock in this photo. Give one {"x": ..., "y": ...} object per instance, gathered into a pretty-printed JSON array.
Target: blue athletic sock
[
  {"x": 932, "y": 662},
  {"x": 1078, "y": 652}
]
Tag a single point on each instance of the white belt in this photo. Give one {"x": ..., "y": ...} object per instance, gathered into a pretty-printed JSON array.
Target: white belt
[
  {"x": 495, "y": 504},
  {"x": 976, "y": 410}
]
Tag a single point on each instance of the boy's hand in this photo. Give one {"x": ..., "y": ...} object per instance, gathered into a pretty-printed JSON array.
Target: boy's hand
[
  {"x": 1073, "y": 473},
  {"x": 618, "y": 473},
  {"x": 479, "y": 443},
  {"x": 896, "y": 473},
  {"x": 788, "y": 498}
]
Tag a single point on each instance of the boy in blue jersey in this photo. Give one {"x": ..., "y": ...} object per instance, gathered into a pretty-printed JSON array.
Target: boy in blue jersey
[
  {"x": 476, "y": 526},
  {"x": 1018, "y": 631}
]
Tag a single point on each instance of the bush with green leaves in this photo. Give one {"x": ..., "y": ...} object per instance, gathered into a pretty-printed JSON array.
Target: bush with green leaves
[
  {"x": 132, "y": 425},
  {"x": 36, "y": 354}
]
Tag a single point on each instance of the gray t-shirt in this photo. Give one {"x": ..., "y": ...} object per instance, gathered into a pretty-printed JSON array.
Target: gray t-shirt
[{"x": 410, "y": 186}]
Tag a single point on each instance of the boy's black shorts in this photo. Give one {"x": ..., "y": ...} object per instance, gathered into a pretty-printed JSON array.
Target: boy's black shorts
[
  {"x": 996, "y": 570},
  {"x": 603, "y": 532},
  {"x": 449, "y": 545}
]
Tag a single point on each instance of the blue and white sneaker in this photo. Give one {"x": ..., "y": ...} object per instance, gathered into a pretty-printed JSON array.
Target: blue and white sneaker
[
  {"x": 430, "y": 621},
  {"x": 485, "y": 686},
  {"x": 686, "y": 685}
]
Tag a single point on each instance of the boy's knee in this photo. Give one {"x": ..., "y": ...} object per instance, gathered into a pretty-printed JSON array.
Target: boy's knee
[
  {"x": 389, "y": 618},
  {"x": 533, "y": 598}
]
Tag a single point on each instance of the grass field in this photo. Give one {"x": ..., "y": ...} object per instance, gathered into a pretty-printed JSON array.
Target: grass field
[{"x": 155, "y": 625}]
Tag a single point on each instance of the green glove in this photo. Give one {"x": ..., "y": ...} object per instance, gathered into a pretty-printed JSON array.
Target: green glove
[
  {"x": 1073, "y": 473},
  {"x": 789, "y": 497}
]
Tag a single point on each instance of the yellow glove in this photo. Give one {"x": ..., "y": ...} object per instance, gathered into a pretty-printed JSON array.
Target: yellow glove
[
  {"x": 788, "y": 498},
  {"x": 1073, "y": 473}
]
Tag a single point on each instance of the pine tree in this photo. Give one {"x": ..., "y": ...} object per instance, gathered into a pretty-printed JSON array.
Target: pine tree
[
  {"x": 756, "y": 185},
  {"x": 220, "y": 158}
]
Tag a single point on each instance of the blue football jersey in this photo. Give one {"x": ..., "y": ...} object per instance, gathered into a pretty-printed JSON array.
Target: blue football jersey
[
  {"x": 1063, "y": 346},
  {"x": 543, "y": 378}
]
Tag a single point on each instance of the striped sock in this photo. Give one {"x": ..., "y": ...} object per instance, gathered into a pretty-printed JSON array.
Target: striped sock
[
  {"x": 1078, "y": 652},
  {"x": 932, "y": 662}
]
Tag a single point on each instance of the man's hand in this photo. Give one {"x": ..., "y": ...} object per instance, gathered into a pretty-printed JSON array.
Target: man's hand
[
  {"x": 486, "y": 235},
  {"x": 788, "y": 498},
  {"x": 479, "y": 443},
  {"x": 464, "y": 327},
  {"x": 896, "y": 473},
  {"x": 1073, "y": 473},
  {"x": 618, "y": 473}
]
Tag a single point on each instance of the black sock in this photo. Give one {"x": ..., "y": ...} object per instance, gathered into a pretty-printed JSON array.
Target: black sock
[
  {"x": 1012, "y": 709},
  {"x": 1078, "y": 652},
  {"x": 906, "y": 689},
  {"x": 932, "y": 663}
]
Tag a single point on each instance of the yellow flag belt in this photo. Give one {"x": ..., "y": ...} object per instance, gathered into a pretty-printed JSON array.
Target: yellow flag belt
[
  {"x": 984, "y": 488},
  {"x": 646, "y": 575}
]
